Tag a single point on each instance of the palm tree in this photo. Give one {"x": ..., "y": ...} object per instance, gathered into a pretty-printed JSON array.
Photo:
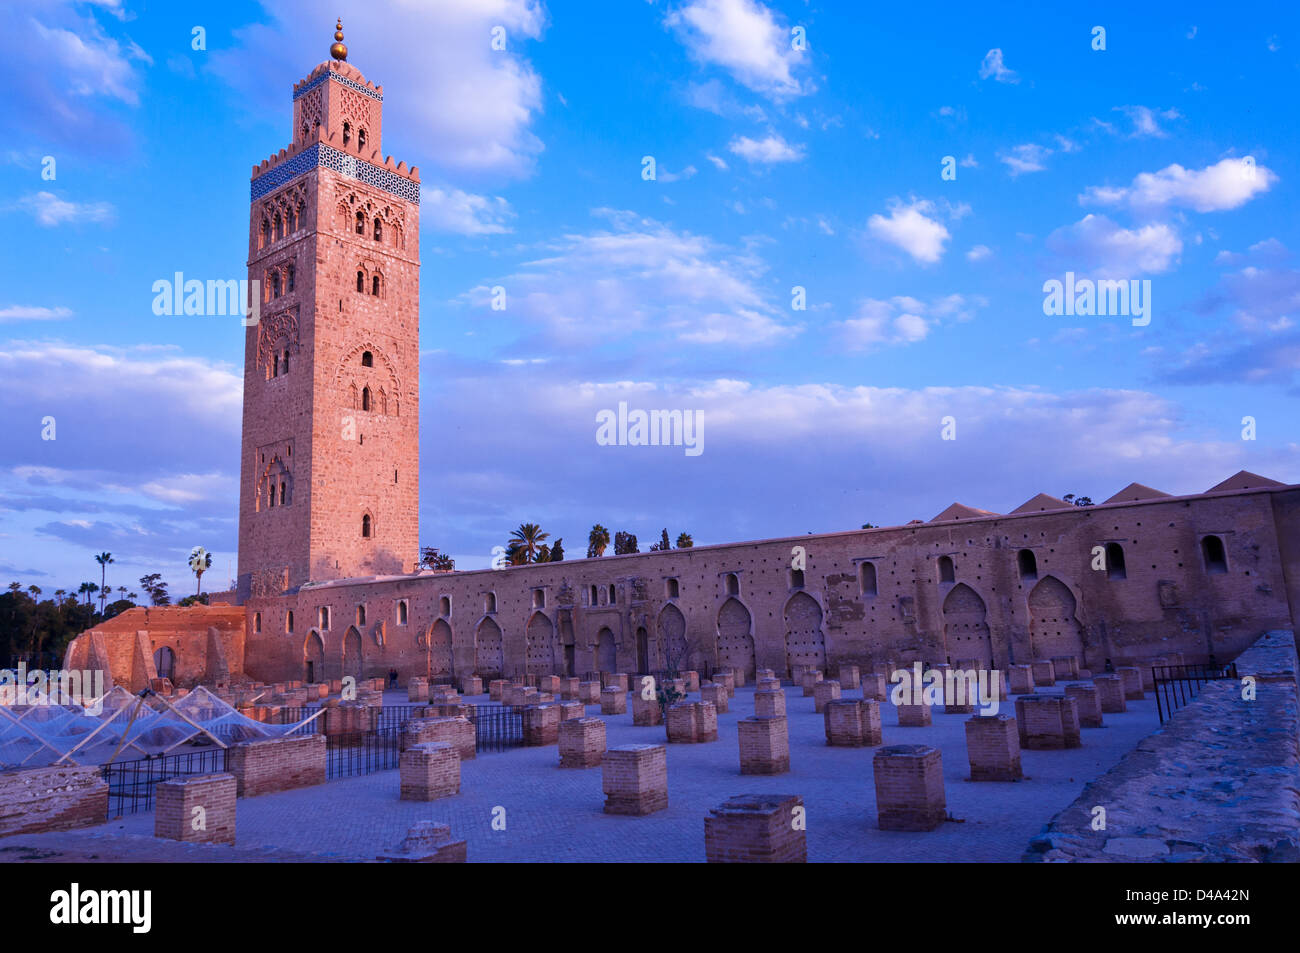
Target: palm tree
[
  {"x": 35, "y": 591},
  {"x": 133, "y": 596},
  {"x": 91, "y": 589},
  {"x": 103, "y": 559},
  {"x": 200, "y": 562},
  {"x": 597, "y": 541},
  {"x": 684, "y": 541},
  {"x": 529, "y": 537},
  {"x": 121, "y": 592}
]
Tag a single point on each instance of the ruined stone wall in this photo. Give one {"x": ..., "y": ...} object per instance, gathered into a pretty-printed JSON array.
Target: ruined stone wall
[
  {"x": 1220, "y": 782},
  {"x": 128, "y": 643},
  {"x": 548, "y": 618},
  {"x": 52, "y": 799}
]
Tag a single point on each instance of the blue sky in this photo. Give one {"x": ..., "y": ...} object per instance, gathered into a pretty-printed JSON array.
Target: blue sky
[{"x": 1168, "y": 156}]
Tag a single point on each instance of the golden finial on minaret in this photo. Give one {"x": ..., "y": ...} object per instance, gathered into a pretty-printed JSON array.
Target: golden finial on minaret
[{"x": 339, "y": 51}]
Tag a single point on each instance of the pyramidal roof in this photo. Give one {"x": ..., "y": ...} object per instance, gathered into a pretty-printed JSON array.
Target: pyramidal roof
[
  {"x": 1244, "y": 480},
  {"x": 960, "y": 511},
  {"x": 1136, "y": 491},
  {"x": 1043, "y": 501}
]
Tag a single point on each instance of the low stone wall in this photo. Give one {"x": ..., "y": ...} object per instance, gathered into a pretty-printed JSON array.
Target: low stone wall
[
  {"x": 268, "y": 765},
  {"x": 52, "y": 799},
  {"x": 1219, "y": 783}
]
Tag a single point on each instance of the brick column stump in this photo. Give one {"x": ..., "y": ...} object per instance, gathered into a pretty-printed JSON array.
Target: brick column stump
[
  {"x": 549, "y": 683},
  {"x": 692, "y": 679},
  {"x": 646, "y": 713},
  {"x": 572, "y": 710},
  {"x": 495, "y": 687},
  {"x": 614, "y": 680},
  {"x": 541, "y": 725},
  {"x": 823, "y": 692},
  {"x": 457, "y": 731},
  {"x": 849, "y": 677},
  {"x": 810, "y": 680},
  {"x": 1066, "y": 666},
  {"x": 1089, "y": 701},
  {"x": 756, "y": 829},
  {"x": 875, "y": 685},
  {"x": 613, "y": 700},
  {"x": 1110, "y": 690},
  {"x": 769, "y": 704},
  {"x": 1021, "y": 679},
  {"x": 717, "y": 695},
  {"x": 471, "y": 685},
  {"x": 1132, "y": 677},
  {"x": 1044, "y": 673},
  {"x": 993, "y": 746},
  {"x": 417, "y": 691},
  {"x": 429, "y": 771},
  {"x": 764, "y": 745},
  {"x": 1047, "y": 722},
  {"x": 265, "y": 765},
  {"x": 176, "y": 803},
  {"x": 909, "y": 788},
  {"x": 427, "y": 843},
  {"x": 589, "y": 693},
  {"x": 853, "y": 723},
  {"x": 767, "y": 685},
  {"x": 634, "y": 779},
  {"x": 913, "y": 716},
  {"x": 582, "y": 742}
]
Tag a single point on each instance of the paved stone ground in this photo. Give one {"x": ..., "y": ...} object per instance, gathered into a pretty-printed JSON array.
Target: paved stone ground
[{"x": 555, "y": 814}]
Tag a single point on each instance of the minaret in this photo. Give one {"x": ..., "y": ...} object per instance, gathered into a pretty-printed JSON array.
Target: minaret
[{"x": 329, "y": 483}]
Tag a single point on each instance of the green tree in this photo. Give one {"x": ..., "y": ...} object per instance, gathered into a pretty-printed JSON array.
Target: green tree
[
  {"x": 684, "y": 541},
  {"x": 625, "y": 543},
  {"x": 544, "y": 554},
  {"x": 157, "y": 589},
  {"x": 663, "y": 543},
  {"x": 529, "y": 537},
  {"x": 103, "y": 559},
  {"x": 597, "y": 541},
  {"x": 557, "y": 551},
  {"x": 431, "y": 558},
  {"x": 200, "y": 562}
]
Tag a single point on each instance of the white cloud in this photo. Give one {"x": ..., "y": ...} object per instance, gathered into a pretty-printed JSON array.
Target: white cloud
[
  {"x": 717, "y": 161},
  {"x": 86, "y": 61},
  {"x": 1097, "y": 243},
  {"x": 18, "y": 312},
  {"x": 744, "y": 38},
  {"x": 640, "y": 277},
  {"x": 995, "y": 68},
  {"x": 979, "y": 253},
  {"x": 910, "y": 228},
  {"x": 1146, "y": 120},
  {"x": 50, "y": 210},
  {"x": 1227, "y": 184},
  {"x": 459, "y": 104},
  {"x": 1025, "y": 158},
  {"x": 767, "y": 151},
  {"x": 901, "y": 320},
  {"x": 463, "y": 213}
]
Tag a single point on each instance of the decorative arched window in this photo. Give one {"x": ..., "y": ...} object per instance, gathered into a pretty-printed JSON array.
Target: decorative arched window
[
  {"x": 285, "y": 362},
  {"x": 382, "y": 407},
  {"x": 733, "y": 584},
  {"x": 347, "y": 133},
  {"x": 401, "y": 612},
  {"x": 374, "y": 286},
  {"x": 288, "y": 619},
  {"x": 361, "y": 138},
  {"x": 867, "y": 576},
  {"x": 361, "y": 223},
  {"x": 361, "y": 282},
  {"x": 365, "y": 526},
  {"x": 279, "y": 227},
  {"x": 613, "y": 595},
  {"x": 444, "y": 605},
  {"x": 290, "y": 274},
  {"x": 367, "y": 359},
  {"x": 257, "y": 622},
  {"x": 1216, "y": 558},
  {"x": 275, "y": 365},
  {"x": 361, "y": 615},
  {"x": 673, "y": 589},
  {"x": 1028, "y": 564},
  {"x": 283, "y": 490},
  {"x": 1115, "y": 562},
  {"x": 946, "y": 571},
  {"x": 379, "y": 231},
  {"x": 275, "y": 284},
  {"x": 304, "y": 130},
  {"x": 490, "y": 602},
  {"x": 796, "y": 578},
  {"x": 266, "y": 233},
  {"x": 365, "y": 398},
  {"x": 595, "y": 598}
]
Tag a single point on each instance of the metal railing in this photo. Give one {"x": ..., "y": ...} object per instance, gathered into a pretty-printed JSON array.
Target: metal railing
[
  {"x": 364, "y": 752},
  {"x": 1177, "y": 685},
  {"x": 497, "y": 727},
  {"x": 131, "y": 783}
]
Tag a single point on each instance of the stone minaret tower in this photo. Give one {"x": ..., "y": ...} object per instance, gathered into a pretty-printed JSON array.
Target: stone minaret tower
[{"x": 329, "y": 483}]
